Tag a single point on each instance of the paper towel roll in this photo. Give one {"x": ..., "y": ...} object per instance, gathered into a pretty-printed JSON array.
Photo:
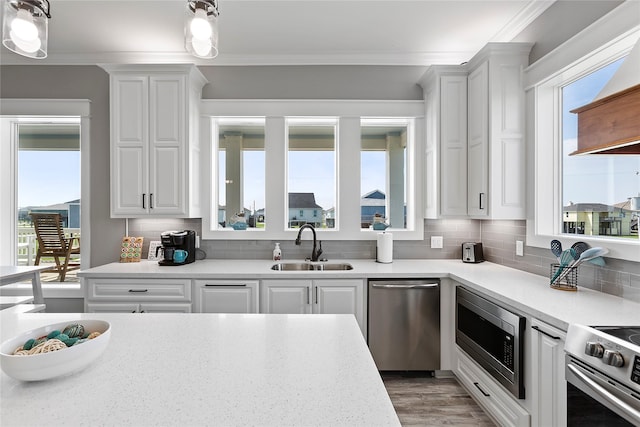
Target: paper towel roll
[{"x": 385, "y": 248}]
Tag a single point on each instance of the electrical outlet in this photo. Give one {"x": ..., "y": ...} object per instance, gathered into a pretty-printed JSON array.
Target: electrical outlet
[
  {"x": 519, "y": 248},
  {"x": 436, "y": 242}
]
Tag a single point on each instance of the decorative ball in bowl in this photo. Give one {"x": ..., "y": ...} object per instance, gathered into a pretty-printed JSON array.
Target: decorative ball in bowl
[{"x": 54, "y": 350}]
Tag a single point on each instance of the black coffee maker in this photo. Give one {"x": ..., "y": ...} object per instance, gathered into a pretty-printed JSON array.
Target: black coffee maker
[{"x": 175, "y": 241}]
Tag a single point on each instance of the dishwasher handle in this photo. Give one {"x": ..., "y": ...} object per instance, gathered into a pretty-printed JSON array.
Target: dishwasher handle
[{"x": 409, "y": 286}]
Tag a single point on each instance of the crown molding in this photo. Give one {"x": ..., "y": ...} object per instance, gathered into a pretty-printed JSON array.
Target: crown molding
[
  {"x": 355, "y": 58},
  {"x": 522, "y": 20}
]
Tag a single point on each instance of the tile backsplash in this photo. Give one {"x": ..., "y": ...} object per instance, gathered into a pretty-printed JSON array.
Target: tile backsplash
[{"x": 617, "y": 277}]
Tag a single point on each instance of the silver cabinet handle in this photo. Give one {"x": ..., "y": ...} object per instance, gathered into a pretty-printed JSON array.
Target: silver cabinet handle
[
  {"x": 150, "y": 200},
  {"x": 144, "y": 198},
  {"x": 480, "y": 201},
  {"x": 308, "y": 290},
  {"x": 545, "y": 333},
  {"x": 316, "y": 295},
  {"x": 138, "y": 290},
  {"x": 602, "y": 392},
  {"x": 399, "y": 286}
]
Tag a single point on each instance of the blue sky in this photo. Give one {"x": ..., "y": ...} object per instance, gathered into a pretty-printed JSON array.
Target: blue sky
[
  {"x": 607, "y": 179},
  {"x": 48, "y": 177}
]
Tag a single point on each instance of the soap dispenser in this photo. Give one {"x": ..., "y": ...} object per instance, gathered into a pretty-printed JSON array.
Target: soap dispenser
[{"x": 277, "y": 253}]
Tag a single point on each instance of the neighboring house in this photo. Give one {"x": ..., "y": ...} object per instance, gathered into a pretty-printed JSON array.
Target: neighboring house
[
  {"x": 70, "y": 212},
  {"x": 303, "y": 209},
  {"x": 597, "y": 219},
  {"x": 370, "y": 204}
]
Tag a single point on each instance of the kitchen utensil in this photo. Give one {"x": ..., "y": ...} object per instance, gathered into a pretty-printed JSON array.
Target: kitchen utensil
[
  {"x": 556, "y": 248},
  {"x": 587, "y": 255},
  {"x": 597, "y": 261},
  {"x": 580, "y": 247},
  {"x": 567, "y": 257}
]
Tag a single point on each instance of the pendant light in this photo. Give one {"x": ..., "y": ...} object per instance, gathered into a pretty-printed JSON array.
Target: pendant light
[
  {"x": 25, "y": 27},
  {"x": 201, "y": 28}
]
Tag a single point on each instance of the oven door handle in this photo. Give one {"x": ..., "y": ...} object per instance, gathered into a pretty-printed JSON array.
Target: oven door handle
[{"x": 624, "y": 407}]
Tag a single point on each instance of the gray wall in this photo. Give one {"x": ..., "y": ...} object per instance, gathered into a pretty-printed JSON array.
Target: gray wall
[{"x": 560, "y": 22}]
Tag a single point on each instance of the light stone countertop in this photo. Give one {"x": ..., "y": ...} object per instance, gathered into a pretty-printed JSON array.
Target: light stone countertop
[
  {"x": 525, "y": 292},
  {"x": 207, "y": 369}
]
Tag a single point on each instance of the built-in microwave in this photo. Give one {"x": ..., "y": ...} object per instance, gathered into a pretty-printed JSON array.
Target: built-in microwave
[{"x": 492, "y": 336}]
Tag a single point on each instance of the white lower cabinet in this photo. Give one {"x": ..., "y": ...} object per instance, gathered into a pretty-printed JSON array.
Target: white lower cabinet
[
  {"x": 496, "y": 402},
  {"x": 548, "y": 384},
  {"x": 226, "y": 296},
  {"x": 340, "y": 296},
  {"x": 137, "y": 295}
]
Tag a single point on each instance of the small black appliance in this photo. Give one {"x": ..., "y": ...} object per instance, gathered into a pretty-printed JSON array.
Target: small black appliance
[{"x": 176, "y": 241}]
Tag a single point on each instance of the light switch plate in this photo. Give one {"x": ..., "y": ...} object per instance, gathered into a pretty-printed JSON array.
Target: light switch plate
[
  {"x": 519, "y": 248},
  {"x": 436, "y": 242}
]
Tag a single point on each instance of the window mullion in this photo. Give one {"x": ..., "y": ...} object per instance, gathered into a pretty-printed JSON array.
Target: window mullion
[
  {"x": 348, "y": 176},
  {"x": 275, "y": 159}
]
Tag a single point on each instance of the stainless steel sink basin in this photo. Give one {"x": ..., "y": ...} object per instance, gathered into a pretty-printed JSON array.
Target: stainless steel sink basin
[{"x": 307, "y": 266}]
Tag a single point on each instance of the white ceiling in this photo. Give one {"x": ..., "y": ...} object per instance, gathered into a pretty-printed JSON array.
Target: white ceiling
[{"x": 391, "y": 32}]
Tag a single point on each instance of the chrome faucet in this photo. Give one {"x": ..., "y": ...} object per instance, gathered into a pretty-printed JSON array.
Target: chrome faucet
[{"x": 315, "y": 253}]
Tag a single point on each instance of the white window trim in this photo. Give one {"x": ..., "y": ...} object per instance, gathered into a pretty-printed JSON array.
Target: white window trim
[
  {"x": 14, "y": 111},
  {"x": 349, "y": 113},
  {"x": 605, "y": 41}
]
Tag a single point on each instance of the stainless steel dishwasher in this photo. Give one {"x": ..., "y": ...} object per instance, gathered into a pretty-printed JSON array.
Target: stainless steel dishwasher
[{"x": 404, "y": 324}]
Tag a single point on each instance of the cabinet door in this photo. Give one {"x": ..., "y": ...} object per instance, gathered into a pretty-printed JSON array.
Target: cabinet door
[
  {"x": 453, "y": 142},
  {"x": 286, "y": 296},
  {"x": 168, "y": 111},
  {"x": 226, "y": 296},
  {"x": 339, "y": 297},
  {"x": 548, "y": 385},
  {"x": 478, "y": 143},
  {"x": 129, "y": 145}
]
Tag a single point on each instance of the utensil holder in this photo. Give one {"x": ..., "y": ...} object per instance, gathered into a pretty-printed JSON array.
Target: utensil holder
[{"x": 568, "y": 278}]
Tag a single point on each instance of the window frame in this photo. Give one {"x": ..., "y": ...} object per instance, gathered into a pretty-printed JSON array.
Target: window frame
[
  {"x": 348, "y": 114},
  {"x": 544, "y": 81}
]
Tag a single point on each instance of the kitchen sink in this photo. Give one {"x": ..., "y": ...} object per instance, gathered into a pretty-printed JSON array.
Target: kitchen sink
[{"x": 307, "y": 266}]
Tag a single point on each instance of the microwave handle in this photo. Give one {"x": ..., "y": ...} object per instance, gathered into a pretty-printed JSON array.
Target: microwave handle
[{"x": 602, "y": 392}]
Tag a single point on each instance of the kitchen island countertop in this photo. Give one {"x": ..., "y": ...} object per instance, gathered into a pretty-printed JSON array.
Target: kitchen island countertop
[
  {"x": 208, "y": 369},
  {"x": 526, "y": 292}
]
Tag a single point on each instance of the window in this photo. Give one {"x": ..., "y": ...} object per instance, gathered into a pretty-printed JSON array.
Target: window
[
  {"x": 597, "y": 190},
  {"x": 241, "y": 174},
  {"x": 309, "y": 168},
  {"x": 311, "y": 161},
  {"x": 383, "y": 178},
  {"x": 556, "y": 179}
]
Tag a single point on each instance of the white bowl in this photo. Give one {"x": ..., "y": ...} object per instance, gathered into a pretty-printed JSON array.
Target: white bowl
[{"x": 44, "y": 366}]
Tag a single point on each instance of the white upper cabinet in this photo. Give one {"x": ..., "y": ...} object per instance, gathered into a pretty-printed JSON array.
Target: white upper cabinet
[
  {"x": 496, "y": 132},
  {"x": 445, "y": 93},
  {"x": 154, "y": 140}
]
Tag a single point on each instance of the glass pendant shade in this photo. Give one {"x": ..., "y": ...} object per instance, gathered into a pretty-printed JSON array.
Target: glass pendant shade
[
  {"x": 201, "y": 29},
  {"x": 25, "y": 27}
]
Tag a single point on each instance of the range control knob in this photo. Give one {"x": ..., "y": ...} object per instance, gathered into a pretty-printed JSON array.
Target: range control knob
[
  {"x": 613, "y": 358},
  {"x": 594, "y": 349}
]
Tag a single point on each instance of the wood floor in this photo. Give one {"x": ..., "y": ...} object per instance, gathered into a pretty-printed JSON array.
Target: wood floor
[{"x": 427, "y": 401}]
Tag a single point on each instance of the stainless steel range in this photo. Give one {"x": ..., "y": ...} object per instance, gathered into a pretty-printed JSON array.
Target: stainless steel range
[{"x": 603, "y": 363}]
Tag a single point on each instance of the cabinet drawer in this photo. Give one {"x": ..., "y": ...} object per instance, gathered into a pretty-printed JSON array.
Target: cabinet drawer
[
  {"x": 498, "y": 404},
  {"x": 174, "y": 290}
]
